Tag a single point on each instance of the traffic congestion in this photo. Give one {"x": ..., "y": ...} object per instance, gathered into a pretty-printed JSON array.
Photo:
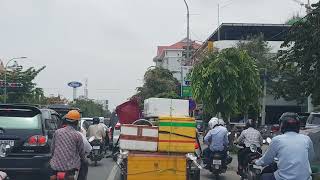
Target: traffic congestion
[{"x": 160, "y": 90}]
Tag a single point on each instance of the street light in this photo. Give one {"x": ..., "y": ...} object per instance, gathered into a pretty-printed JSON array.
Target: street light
[
  {"x": 5, "y": 76},
  {"x": 188, "y": 29}
]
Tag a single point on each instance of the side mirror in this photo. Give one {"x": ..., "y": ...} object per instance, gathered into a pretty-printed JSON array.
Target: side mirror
[
  {"x": 269, "y": 140},
  {"x": 253, "y": 148}
]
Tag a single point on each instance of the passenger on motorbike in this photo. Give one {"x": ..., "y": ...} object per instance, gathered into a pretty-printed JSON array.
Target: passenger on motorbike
[
  {"x": 96, "y": 130},
  {"x": 248, "y": 137},
  {"x": 67, "y": 148},
  {"x": 216, "y": 139},
  {"x": 293, "y": 151}
]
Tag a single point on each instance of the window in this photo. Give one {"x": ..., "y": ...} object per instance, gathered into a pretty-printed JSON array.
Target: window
[{"x": 11, "y": 122}]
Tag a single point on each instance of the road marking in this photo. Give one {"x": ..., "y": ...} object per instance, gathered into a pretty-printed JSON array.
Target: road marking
[{"x": 113, "y": 173}]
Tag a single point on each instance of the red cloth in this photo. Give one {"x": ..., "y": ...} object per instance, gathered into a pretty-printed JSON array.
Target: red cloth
[{"x": 128, "y": 112}]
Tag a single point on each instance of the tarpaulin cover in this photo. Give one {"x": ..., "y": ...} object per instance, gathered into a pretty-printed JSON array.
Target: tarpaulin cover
[{"x": 128, "y": 112}]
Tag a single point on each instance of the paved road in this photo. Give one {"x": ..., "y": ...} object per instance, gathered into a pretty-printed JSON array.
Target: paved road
[{"x": 108, "y": 170}]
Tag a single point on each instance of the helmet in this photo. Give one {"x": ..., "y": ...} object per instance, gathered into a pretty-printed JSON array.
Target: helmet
[
  {"x": 73, "y": 116},
  {"x": 221, "y": 122},
  {"x": 213, "y": 122},
  {"x": 250, "y": 123},
  {"x": 289, "y": 122},
  {"x": 96, "y": 120}
]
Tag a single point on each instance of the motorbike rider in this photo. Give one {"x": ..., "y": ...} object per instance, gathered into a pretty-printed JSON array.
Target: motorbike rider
[
  {"x": 248, "y": 137},
  {"x": 67, "y": 148},
  {"x": 96, "y": 130},
  {"x": 293, "y": 151},
  {"x": 216, "y": 139}
]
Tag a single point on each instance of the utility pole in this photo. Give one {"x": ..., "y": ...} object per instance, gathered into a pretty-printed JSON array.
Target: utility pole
[
  {"x": 218, "y": 22},
  {"x": 263, "y": 113},
  {"x": 188, "y": 47}
]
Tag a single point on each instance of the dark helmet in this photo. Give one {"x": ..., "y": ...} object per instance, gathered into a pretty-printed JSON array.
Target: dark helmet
[
  {"x": 289, "y": 122},
  {"x": 251, "y": 123},
  {"x": 96, "y": 120}
]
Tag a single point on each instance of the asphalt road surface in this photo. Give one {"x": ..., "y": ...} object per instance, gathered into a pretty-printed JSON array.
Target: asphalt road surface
[{"x": 108, "y": 170}]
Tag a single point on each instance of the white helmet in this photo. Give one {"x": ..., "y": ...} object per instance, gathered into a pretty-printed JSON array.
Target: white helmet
[
  {"x": 221, "y": 122},
  {"x": 213, "y": 122}
]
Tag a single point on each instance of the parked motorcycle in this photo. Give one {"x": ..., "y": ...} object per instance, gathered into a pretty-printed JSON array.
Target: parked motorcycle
[{"x": 97, "y": 153}]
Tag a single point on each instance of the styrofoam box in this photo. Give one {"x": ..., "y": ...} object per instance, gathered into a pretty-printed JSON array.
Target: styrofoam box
[
  {"x": 154, "y": 107},
  {"x": 139, "y": 138}
]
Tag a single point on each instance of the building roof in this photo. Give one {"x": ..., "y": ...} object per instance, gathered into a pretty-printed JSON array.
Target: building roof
[
  {"x": 241, "y": 31},
  {"x": 179, "y": 45}
]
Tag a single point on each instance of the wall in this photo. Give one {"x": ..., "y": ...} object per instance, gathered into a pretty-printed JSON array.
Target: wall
[{"x": 172, "y": 62}]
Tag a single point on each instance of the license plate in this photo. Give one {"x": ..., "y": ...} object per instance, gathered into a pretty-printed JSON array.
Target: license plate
[
  {"x": 7, "y": 142},
  {"x": 96, "y": 147},
  {"x": 218, "y": 162}
]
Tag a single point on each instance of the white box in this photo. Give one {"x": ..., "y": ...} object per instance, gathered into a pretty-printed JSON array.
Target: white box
[
  {"x": 155, "y": 107},
  {"x": 139, "y": 138}
]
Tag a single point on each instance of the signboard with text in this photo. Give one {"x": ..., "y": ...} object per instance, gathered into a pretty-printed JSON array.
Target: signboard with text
[{"x": 186, "y": 85}]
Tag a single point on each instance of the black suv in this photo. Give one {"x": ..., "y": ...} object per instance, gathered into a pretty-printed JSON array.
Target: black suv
[{"x": 28, "y": 131}]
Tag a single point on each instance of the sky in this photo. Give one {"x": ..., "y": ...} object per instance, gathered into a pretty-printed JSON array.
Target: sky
[{"x": 112, "y": 42}]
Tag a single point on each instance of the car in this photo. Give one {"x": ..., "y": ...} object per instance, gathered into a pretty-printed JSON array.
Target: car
[
  {"x": 313, "y": 120},
  {"x": 28, "y": 132}
]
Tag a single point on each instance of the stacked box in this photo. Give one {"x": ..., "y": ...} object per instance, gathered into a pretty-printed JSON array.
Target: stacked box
[
  {"x": 156, "y": 166},
  {"x": 155, "y": 107},
  {"x": 139, "y": 137},
  {"x": 177, "y": 134}
]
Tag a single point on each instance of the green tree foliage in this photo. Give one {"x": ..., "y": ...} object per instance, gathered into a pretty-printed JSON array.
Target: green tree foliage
[
  {"x": 29, "y": 93},
  {"x": 293, "y": 19},
  {"x": 90, "y": 109},
  {"x": 299, "y": 64},
  {"x": 259, "y": 49},
  {"x": 226, "y": 82},
  {"x": 158, "y": 82}
]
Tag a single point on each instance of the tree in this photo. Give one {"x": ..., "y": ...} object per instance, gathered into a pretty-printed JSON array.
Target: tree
[
  {"x": 90, "y": 109},
  {"x": 158, "y": 82},
  {"x": 226, "y": 82},
  {"x": 299, "y": 63},
  {"x": 29, "y": 93},
  {"x": 293, "y": 19}
]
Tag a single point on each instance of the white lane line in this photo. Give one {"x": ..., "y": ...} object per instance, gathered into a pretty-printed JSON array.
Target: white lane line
[{"x": 113, "y": 173}]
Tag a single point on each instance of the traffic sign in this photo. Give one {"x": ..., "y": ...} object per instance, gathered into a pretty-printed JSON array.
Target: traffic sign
[{"x": 11, "y": 85}]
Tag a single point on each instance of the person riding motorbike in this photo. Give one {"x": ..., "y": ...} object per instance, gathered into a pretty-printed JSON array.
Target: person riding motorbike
[
  {"x": 97, "y": 130},
  {"x": 67, "y": 148},
  {"x": 248, "y": 137},
  {"x": 216, "y": 139},
  {"x": 292, "y": 150}
]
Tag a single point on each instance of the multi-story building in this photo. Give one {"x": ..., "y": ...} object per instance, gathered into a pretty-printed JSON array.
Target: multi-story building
[
  {"x": 173, "y": 57},
  {"x": 229, "y": 35}
]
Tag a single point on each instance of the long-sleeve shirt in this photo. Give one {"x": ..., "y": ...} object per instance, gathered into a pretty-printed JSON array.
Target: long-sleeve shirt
[
  {"x": 294, "y": 152},
  {"x": 250, "y": 136},
  {"x": 86, "y": 145},
  {"x": 67, "y": 149},
  {"x": 217, "y": 138}
]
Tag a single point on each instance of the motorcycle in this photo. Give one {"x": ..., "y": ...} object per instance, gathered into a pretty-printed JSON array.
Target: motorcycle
[
  {"x": 250, "y": 170},
  {"x": 219, "y": 163},
  {"x": 4, "y": 150},
  {"x": 97, "y": 153},
  {"x": 65, "y": 176}
]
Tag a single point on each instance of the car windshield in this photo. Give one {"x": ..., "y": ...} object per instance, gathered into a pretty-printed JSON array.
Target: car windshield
[
  {"x": 314, "y": 119},
  {"x": 19, "y": 119}
]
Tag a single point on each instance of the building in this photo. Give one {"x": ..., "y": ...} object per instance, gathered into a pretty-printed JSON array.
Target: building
[
  {"x": 229, "y": 34},
  {"x": 172, "y": 57},
  {"x": 103, "y": 103}
]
